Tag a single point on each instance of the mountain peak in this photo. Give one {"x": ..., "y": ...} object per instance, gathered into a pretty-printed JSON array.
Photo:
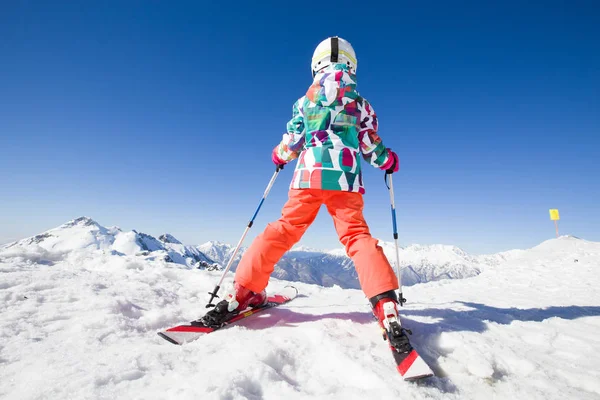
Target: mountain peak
[
  {"x": 306, "y": 249},
  {"x": 81, "y": 221},
  {"x": 215, "y": 243},
  {"x": 168, "y": 238}
]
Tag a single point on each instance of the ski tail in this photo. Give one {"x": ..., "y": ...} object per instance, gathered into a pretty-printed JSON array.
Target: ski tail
[{"x": 411, "y": 366}]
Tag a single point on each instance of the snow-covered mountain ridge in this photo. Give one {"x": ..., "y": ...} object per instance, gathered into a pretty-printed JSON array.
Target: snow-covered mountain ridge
[
  {"x": 418, "y": 264},
  {"x": 86, "y": 235}
]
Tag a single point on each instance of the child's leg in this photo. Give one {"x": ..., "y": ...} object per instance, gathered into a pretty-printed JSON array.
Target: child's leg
[
  {"x": 259, "y": 260},
  {"x": 375, "y": 273}
]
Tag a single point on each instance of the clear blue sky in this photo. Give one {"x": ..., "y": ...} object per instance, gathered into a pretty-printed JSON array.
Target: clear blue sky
[{"x": 161, "y": 116}]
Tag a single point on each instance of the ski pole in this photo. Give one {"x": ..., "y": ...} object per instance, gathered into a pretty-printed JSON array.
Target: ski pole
[
  {"x": 390, "y": 187},
  {"x": 213, "y": 294}
]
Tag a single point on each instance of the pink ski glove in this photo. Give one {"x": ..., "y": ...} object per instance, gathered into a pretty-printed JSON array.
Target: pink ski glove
[
  {"x": 275, "y": 157},
  {"x": 392, "y": 164}
]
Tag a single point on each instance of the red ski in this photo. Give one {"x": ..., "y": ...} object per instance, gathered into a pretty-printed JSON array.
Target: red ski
[
  {"x": 408, "y": 362},
  {"x": 195, "y": 329},
  {"x": 411, "y": 366}
]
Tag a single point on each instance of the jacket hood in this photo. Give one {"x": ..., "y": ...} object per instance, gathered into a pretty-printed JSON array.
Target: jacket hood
[{"x": 333, "y": 86}]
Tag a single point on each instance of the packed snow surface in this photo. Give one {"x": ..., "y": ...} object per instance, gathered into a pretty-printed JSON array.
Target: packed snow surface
[{"x": 79, "y": 321}]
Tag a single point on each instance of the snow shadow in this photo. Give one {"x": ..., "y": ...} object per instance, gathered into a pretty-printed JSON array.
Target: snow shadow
[
  {"x": 287, "y": 317},
  {"x": 475, "y": 318},
  {"x": 472, "y": 319}
]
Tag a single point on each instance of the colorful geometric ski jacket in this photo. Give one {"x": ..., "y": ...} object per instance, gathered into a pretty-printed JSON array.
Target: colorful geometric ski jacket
[{"x": 331, "y": 125}]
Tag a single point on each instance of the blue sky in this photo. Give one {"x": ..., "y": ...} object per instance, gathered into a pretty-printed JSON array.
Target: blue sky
[{"x": 161, "y": 116}]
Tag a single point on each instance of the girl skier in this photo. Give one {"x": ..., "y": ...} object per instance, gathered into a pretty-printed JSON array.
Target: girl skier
[{"x": 332, "y": 125}]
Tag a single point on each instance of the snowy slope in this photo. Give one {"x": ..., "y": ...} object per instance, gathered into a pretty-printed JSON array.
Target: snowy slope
[{"x": 81, "y": 325}]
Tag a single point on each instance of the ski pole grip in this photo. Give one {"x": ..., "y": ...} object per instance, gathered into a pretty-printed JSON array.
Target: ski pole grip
[{"x": 279, "y": 167}]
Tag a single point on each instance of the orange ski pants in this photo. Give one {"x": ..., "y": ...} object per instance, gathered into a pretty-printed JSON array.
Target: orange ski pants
[{"x": 374, "y": 271}]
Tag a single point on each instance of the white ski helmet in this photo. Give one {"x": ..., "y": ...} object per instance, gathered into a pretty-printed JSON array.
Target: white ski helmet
[{"x": 333, "y": 50}]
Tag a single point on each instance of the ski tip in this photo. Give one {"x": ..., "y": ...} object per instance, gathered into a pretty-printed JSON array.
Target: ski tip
[
  {"x": 291, "y": 289},
  {"x": 289, "y": 292},
  {"x": 283, "y": 296}
]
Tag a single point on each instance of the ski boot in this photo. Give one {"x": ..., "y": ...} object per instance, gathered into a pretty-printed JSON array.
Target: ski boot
[
  {"x": 239, "y": 299},
  {"x": 385, "y": 308}
]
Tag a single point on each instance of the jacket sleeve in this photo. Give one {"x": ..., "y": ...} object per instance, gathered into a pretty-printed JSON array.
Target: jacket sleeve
[
  {"x": 292, "y": 142},
  {"x": 371, "y": 146}
]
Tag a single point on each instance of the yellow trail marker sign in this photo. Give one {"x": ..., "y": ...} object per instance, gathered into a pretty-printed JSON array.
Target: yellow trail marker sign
[{"x": 554, "y": 216}]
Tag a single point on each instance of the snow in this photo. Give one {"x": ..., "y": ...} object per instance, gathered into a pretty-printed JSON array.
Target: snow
[
  {"x": 126, "y": 243},
  {"x": 337, "y": 252},
  {"x": 79, "y": 321},
  {"x": 306, "y": 249}
]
